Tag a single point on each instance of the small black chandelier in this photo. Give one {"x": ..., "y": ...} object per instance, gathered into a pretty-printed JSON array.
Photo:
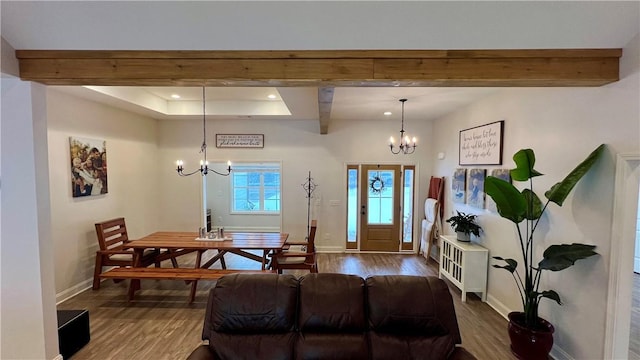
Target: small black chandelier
[
  {"x": 405, "y": 147},
  {"x": 204, "y": 163}
]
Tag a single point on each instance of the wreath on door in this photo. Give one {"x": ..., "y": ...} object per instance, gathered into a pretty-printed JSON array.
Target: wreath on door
[{"x": 376, "y": 184}]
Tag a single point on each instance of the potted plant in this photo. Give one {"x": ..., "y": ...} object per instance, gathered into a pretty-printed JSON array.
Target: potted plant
[
  {"x": 464, "y": 225},
  {"x": 531, "y": 336}
]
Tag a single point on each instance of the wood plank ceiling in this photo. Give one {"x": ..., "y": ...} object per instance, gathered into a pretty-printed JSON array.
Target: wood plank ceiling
[{"x": 324, "y": 69}]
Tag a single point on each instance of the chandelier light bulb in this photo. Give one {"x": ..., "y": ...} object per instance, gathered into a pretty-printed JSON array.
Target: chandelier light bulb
[
  {"x": 391, "y": 141},
  {"x": 414, "y": 140}
]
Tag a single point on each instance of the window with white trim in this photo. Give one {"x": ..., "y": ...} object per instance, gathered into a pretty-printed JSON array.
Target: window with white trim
[{"x": 255, "y": 188}]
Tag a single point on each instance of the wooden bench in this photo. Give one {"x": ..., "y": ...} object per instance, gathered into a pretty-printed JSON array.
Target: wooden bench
[{"x": 186, "y": 274}]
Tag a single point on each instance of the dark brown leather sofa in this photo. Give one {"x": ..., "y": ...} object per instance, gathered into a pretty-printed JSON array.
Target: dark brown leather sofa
[{"x": 330, "y": 316}]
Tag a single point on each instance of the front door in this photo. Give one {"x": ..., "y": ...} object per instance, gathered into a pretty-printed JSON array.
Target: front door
[{"x": 380, "y": 211}]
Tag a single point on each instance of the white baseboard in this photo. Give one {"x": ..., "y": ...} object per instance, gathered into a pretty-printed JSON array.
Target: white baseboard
[
  {"x": 499, "y": 307},
  {"x": 73, "y": 291},
  {"x": 330, "y": 249},
  {"x": 58, "y": 357},
  {"x": 558, "y": 354}
]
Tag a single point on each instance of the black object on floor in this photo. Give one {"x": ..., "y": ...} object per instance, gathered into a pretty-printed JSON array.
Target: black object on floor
[{"x": 73, "y": 331}]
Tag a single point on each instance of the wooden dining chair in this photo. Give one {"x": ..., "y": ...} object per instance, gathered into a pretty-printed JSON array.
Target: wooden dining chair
[
  {"x": 112, "y": 236},
  {"x": 298, "y": 255}
]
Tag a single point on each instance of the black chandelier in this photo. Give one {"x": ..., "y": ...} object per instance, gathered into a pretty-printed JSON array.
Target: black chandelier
[
  {"x": 204, "y": 163},
  {"x": 405, "y": 146}
]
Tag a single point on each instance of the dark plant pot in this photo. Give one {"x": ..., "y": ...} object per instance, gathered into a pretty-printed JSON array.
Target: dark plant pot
[
  {"x": 530, "y": 344},
  {"x": 461, "y": 236}
]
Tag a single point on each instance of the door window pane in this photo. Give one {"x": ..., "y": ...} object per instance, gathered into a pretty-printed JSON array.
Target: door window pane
[
  {"x": 380, "y": 197},
  {"x": 386, "y": 210},
  {"x": 374, "y": 210}
]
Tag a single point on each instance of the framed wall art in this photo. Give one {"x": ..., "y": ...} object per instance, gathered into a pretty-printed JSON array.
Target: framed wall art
[
  {"x": 88, "y": 166},
  {"x": 239, "y": 140},
  {"x": 481, "y": 145},
  {"x": 459, "y": 185},
  {"x": 475, "y": 191}
]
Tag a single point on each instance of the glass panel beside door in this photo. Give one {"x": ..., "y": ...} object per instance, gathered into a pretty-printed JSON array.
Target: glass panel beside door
[{"x": 407, "y": 207}]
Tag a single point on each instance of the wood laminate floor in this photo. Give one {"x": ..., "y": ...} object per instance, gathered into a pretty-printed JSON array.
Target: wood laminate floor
[{"x": 161, "y": 324}]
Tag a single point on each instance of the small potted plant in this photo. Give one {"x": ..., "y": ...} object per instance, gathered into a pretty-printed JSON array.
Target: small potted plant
[{"x": 464, "y": 225}]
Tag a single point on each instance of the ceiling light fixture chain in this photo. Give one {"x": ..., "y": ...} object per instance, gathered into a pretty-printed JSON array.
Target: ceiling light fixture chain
[
  {"x": 204, "y": 163},
  {"x": 405, "y": 146},
  {"x": 203, "y": 147}
]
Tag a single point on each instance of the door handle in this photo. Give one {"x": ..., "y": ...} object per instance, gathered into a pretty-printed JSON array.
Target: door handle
[{"x": 364, "y": 211}]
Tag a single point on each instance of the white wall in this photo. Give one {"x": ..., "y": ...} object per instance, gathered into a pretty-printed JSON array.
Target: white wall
[
  {"x": 562, "y": 126},
  {"x": 300, "y": 148},
  {"x": 132, "y": 157},
  {"x": 28, "y": 302}
]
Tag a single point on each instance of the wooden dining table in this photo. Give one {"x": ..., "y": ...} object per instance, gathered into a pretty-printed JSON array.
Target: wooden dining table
[{"x": 238, "y": 243}]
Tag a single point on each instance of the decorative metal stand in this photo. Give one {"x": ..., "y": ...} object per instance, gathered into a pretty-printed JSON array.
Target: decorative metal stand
[{"x": 309, "y": 186}]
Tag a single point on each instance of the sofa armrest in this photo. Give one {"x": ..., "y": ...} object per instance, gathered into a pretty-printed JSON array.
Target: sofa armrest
[
  {"x": 203, "y": 352},
  {"x": 461, "y": 353}
]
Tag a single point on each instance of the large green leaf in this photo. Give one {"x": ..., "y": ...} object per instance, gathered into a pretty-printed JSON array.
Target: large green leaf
[
  {"x": 510, "y": 203},
  {"x": 560, "y": 257},
  {"x": 559, "y": 192},
  {"x": 533, "y": 209},
  {"x": 550, "y": 294},
  {"x": 511, "y": 266},
  {"x": 524, "y": 159}
]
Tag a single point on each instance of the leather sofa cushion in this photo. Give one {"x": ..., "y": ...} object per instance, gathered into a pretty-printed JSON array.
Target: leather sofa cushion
[
  {"x": 349, "y": 346},
  {"x": 258, "y": 303},
  {"x": 332, "y": 303},
  {"x": 277, "y": 346},
  {"x": 411, "y": 305},
  {"x": 410, "y": 317},
  {"x": 407, "y": 347}
]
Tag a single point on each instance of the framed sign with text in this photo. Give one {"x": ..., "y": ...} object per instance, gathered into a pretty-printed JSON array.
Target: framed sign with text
[
  {"x": 481, "y": 145},
  {"x": 239, "y": 140}
]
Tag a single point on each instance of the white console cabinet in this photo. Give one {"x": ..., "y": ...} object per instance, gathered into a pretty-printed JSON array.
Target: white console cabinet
[{"x": 464, "y": 264}]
